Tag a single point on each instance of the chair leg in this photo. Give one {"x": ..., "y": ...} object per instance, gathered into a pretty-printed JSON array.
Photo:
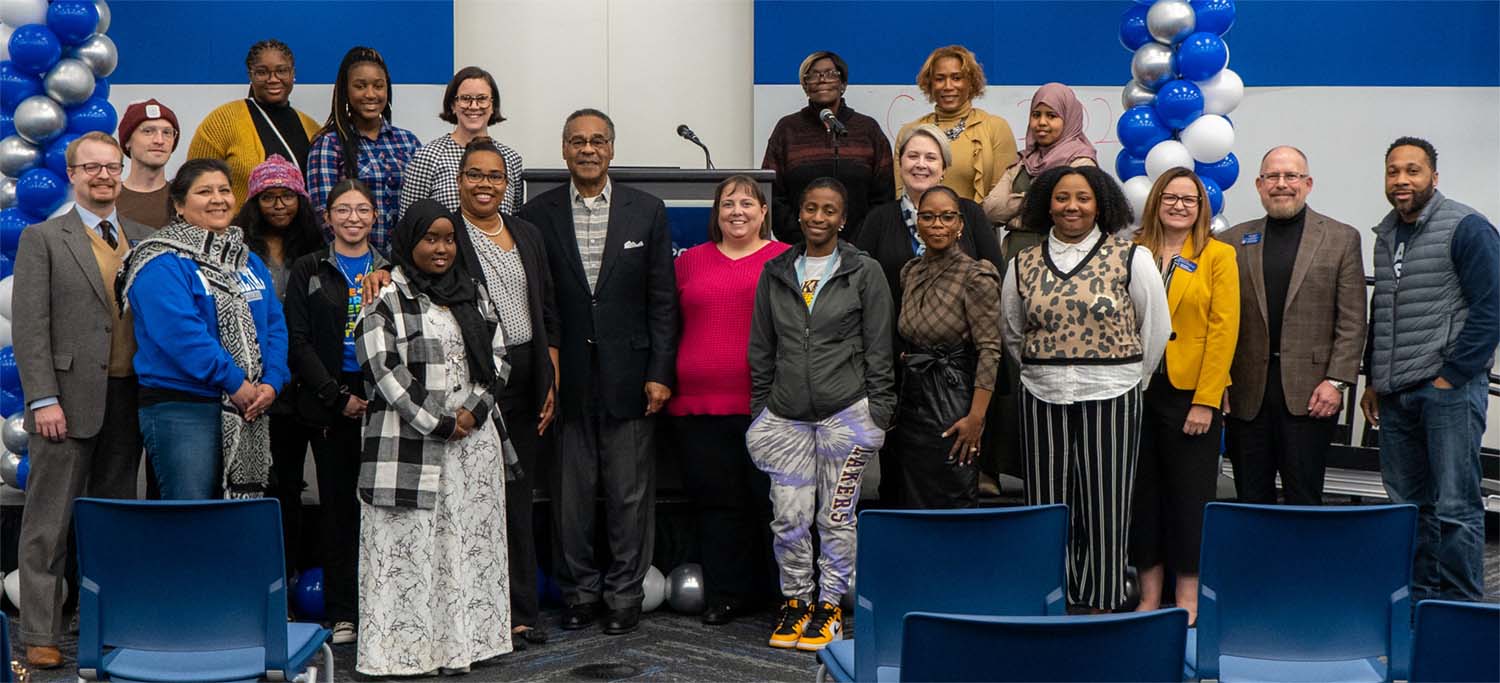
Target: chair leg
[
  {"x": 822, "y": 673},
  {"x": 328, "y": 660}
]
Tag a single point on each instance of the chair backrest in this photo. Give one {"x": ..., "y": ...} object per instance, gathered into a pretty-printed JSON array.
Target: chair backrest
[
  {"x": 993, "y": 562},
  {"x": 1296, "y": 583},
  {"x": 1135, "y": 646},
  {"x": 1456, "y": 641},
  {"x": 180, "y": 576}
]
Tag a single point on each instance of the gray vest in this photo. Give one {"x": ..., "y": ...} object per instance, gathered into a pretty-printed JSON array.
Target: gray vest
[{"x": 1416, "y": 320}]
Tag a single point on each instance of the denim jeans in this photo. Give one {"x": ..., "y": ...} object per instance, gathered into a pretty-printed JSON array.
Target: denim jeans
[
  {"x": 182, "y": 441},
  {"x": 1429, "y": 457}
]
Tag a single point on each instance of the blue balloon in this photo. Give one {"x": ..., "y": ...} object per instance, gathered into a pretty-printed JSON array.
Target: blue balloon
[
  {"x": 7, "y": 266},
  {"x": 10, "y": 375},
  {"x": 23, "y": 471},
  {"x": 12, "y": 222},
  {"x": 1127, "y": 166},
  {"x": 1200, "y": 56},
  {"x": 7, "y": 125},
  {"x": 34, "y": 49},
  {"x": 73, "y": 21},
  {"x": 1140, "y": 129},
  {"x": 93, "y": 114},
  {"x": 1133, "y": 32},
  {"x": 1215, "y": 195},
  {"x": 10, "y": 404},
  {"x": 1178, "y": 103},
  {"x": 56, "y": 159},
  {"x": 1213, "y": 16},
  {"x": 307, "y": 594},
  {"x": 101, "y": 88},
  {"x": 15, "y": 86},
  {"x": 1223, "y": 172},
  {"x": 39, "y": 192}
]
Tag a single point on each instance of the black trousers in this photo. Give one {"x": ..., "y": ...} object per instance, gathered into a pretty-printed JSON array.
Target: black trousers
[
  {"x": 1278, "y": 441},
  {"x": 733, "y": 500},
  {"x": 1175, "y": 476},
  {"x": 522, "y": 415},
  {"x": 336, "y": 450},
  {"x": 289, "y": 439}
]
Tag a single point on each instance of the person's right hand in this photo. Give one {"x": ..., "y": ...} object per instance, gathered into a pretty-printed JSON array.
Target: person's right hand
[
  {"x": 51, "y": 423},
  {"x": 1369, "y": 403},
  {"x": 375, "y": 280},
  {"x": 463, "y": 424},
  {"x": 355, "y": 407},
  {"x": 244, "y": 397}
]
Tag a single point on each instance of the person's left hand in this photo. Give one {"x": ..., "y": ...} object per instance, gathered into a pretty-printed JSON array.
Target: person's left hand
[
  {"x": 264, "y": 396},
  {"x": 656, "y": 397},
  {"x": 549, "y": 412},
  {"x": 1198, "y": 420},
  {"x": 966, "y": 446}
]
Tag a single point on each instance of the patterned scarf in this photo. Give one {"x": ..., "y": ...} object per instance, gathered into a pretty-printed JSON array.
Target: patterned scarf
[{"x": 246, "y": 446}]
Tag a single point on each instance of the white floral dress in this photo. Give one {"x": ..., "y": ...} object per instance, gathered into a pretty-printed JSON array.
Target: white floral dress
[{"x": 434, "y": 585}]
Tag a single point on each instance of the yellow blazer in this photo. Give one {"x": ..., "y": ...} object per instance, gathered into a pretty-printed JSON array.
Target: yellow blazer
[
  {"x": 228, "y": 133},
  {"x": 1204, "y": 301}
]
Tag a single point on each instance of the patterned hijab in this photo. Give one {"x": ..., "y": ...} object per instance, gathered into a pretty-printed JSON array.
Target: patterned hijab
[{"x": 1070, "y": 145}]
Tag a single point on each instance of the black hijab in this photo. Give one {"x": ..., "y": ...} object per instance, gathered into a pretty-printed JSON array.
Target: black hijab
[{"x": 455, "y": 288}]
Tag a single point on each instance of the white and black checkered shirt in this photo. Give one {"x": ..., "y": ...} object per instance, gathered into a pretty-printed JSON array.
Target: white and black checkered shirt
[
  {"x": 590, "y": 226},
  {"x": 432, "y": 173}
]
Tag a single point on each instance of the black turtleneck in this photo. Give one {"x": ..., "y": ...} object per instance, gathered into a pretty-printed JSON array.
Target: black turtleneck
[
  {"x": 289, "y": 124},
  {"x": 1283, "y": 236}
]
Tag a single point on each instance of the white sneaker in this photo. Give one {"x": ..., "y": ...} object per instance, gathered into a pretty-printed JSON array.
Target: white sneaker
[{"x": 344, "y": 633}]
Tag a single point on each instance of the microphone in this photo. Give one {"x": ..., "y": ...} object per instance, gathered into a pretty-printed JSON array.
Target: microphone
[
  {"x": 832, "y": 123},
  {"x": 687, "y": 134}
]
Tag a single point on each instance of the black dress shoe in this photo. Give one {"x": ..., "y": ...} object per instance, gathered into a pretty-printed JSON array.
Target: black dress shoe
[
  {"x": 578, "y": 616},
  {"x": 621, "y": 621},
  {"x": 721, "y": 613},
  {"x": 535, "y": 636}
]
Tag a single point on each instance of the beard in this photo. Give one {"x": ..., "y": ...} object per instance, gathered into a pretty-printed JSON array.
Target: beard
[
  {"x": 1282, "y": 212},
  {"x": 1419, "y": 199}
]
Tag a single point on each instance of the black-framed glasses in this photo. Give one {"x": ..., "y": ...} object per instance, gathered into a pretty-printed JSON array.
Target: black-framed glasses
[
  {"x": 946, "y": 219},
  {"x": 472, "y": 101},
  {"x": 286, "y": 198},
  {"x": 475, "y": 175},
  {"x": 1290, "y": 178},
  {"x": 823, "y": 76},
  {"x": 93, "y": 168},
  {"x": 261, "y": 73},
  {"x": 597, "y": 142},
  {"x": 1187, "y": 201}
]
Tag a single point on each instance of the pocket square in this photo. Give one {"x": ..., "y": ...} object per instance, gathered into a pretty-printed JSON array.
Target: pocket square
[{"x": 633, "y": 245}]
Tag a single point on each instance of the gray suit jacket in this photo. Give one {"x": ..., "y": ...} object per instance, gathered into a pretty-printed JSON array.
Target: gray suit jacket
[
  {"x": 62, "y": 319},
  {"x": 1322, "y": 325}
]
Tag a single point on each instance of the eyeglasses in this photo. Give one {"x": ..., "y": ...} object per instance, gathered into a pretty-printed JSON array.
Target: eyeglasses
[
  {"x": 167, "y": 132},
  {"x": 261, "y": 73},
  {"x": 472, "y": 101},
  {"x": 946, "y": 218},
  {"x": 93, "y": 168},
  {"x": 268, "y": 199},
  {"x": 1187, "y": 201},
  {"x": 1290, "y": 178},
  {"x": 475, "y": 175},
  {"x": 343, "y": 211},
  {"x": 824, "y": 76},
  {"x": 597, "y": 142}
]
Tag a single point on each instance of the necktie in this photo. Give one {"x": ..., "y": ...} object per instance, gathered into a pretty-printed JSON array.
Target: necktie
[{"x": 108, "y": 231}]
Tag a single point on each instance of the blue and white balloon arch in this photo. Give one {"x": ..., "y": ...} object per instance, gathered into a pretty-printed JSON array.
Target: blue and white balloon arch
[{"x": 1178, "y": 101}]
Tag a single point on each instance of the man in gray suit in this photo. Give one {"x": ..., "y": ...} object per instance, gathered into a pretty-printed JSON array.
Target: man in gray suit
[
  {"x": 74, "y": 354},
  {"x": 1302, "y": 333}
]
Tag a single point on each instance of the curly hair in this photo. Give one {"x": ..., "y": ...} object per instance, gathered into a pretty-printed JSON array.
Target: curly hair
[
  {"x": 1113, "y": 212},
  {"x": 300, "y": 237},
  {"x": 967, "y": 63},
  {"x": 1419, "y": 143}
]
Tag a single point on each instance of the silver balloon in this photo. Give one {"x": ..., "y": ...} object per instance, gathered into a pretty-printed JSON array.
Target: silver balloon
[
  {"x": 685, "y": 589},
  {"x": 655, "y": 589},
  {"x": 99, "y": 53},
  {"x": 17, "y": 155},
  {"x": 13, "y": 434},
  {"x": 69, "y": 82},
  {"x": 103, "y": 8},
  {"x": 7, "y": 192},
  {"x": 1136, "y": 94},
  {"x": 39, "y": 119},
  {"x": 1169, "y": 21},
  {"x": 1219, "y": 224},
  {"x": 1152, "y": 65},
  {"x": 9, "y": 463}
]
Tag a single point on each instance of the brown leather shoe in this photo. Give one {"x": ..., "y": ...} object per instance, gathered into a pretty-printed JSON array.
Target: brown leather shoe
[{"x": 43, "y": 657}]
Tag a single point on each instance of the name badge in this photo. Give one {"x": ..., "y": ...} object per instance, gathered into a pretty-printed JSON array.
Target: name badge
[
  {"x": 1251, "y": 238},
  {"x": 1185, "y": 264}
]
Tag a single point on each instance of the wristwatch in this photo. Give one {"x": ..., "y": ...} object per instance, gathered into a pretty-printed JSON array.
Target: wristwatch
[{"x": 1341, "y": 386}]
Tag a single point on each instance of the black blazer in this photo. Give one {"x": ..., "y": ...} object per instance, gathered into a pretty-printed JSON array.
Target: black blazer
[{"x": 624, "y": 334}]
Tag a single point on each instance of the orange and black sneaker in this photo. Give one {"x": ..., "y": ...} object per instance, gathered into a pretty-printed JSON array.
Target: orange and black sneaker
[
  {"x": 825, "y": 626},
  {"x": 794, "y": 616}
]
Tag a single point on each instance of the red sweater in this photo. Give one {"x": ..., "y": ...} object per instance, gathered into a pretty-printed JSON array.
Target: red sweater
[{"x": 716, "y": 297}]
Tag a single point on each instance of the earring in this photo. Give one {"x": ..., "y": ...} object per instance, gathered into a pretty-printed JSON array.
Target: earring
[{"x": 841, "y": 227}]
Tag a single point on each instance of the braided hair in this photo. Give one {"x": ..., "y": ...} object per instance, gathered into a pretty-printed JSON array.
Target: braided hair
[
  {"x": 262, "y": 46},
  {"x": 340, "y": 120}
]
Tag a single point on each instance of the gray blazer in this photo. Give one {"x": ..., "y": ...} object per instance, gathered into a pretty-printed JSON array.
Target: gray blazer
[{"x": 62, "y": 319}]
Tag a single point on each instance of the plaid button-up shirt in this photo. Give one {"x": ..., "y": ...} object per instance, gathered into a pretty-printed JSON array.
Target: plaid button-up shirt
[
  {"x": 590, "y": 227},
  {"x": 381, "y": 162}
]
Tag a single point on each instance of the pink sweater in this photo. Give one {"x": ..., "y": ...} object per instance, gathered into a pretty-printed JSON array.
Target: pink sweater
[{"x": 716, "y": 296}]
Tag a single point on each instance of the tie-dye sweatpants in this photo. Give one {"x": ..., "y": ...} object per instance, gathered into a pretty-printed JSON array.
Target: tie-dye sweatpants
[{"x": 815, "y": 470}]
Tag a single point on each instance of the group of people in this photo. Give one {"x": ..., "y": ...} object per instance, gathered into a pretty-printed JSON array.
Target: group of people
[{"x": 434, "y": 335}]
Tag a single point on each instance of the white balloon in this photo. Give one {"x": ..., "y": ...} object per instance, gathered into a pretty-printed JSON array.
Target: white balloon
[
  {"x": 13, "y": 585},
  {"x": 5, "y": 339},
  {"x": 6, "y": 286},
  {"x": 23, "y": 12},
  {"x": 5, "y": 31},
  {"x": 1137, "y": 189},
  {"x": 1165, "y": 155},
  {"x": 1208, "y": 139},
  {"x": 1222, "y": 93}
]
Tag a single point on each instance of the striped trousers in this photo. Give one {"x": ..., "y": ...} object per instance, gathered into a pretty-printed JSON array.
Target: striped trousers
[{"x": 1083, "y": 455}]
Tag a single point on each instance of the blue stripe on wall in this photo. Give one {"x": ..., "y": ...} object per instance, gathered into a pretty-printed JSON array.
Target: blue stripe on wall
[
  {"x": 205, "y": 41},
  {"x": 1273, "y": 42}
]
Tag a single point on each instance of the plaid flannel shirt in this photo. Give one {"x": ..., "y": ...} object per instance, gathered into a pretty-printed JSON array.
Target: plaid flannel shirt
[
  {"x": 406, "y": 428},
  {"x": 380, "y": 164}
]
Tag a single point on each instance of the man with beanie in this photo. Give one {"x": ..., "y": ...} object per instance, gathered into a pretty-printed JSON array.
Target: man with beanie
[{"x": 149, "y": 134}]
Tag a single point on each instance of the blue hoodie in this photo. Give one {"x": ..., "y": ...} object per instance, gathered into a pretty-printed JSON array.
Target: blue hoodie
[{"x": 177, "y": 329}]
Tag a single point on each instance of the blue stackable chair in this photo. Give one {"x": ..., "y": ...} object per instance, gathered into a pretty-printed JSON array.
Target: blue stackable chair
[
  {"x": 991, "y": 562},
  {"x": 187, "y": 591},
  {"x": 1456, "y": 641},
  {"x": 1304, "y": 593},
  {"x": 1135, "y": 646}
]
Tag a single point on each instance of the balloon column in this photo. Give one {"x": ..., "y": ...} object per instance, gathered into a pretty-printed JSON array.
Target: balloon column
[{"x": 1177, "y": 102}]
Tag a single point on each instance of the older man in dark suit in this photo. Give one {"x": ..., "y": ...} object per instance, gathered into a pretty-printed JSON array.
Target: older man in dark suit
[
  {"x": 611, "y": 257},
  {"x": 74, "y": 354},
  {"x": 1302, "y": 333}
]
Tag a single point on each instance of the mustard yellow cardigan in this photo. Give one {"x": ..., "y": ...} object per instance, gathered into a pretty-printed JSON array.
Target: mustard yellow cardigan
[
  {"x": 228, "y": 133},
  {"x": 980, "y": 154}
]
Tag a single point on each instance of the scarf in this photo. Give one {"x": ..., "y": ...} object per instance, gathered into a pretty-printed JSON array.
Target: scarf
[
  {"x": 246, "y": 446},
  {"x": 1071, "y": 144},
  {"x": 454, "y": 288}
]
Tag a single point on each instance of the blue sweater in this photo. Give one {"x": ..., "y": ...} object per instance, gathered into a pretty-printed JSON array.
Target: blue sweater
[
  {"x": 177, "y": 329},
  {"x": 1476, "y": 257}
]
